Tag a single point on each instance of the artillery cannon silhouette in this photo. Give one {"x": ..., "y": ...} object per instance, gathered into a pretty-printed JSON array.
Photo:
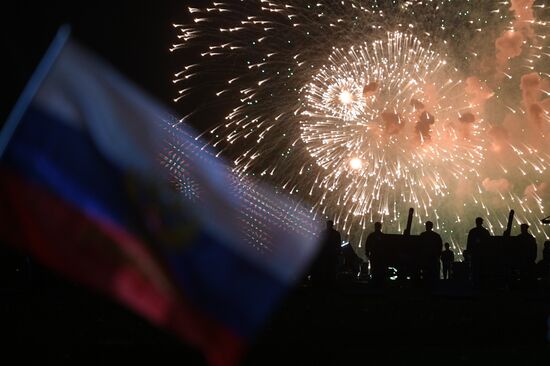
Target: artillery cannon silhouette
[
  {"x": 406, "y": 254},
  {"x": 493, "y": 257},
  {"x": 504, "y": 259},
  {"x": 400, "y": 252}
]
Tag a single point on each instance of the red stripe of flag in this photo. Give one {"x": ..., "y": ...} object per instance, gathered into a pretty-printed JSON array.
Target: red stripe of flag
[{"x": 111, "y": 260}]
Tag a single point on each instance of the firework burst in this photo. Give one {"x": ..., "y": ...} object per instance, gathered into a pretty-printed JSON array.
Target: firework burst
[
  {"x": 369, "y": 121},
  {"x": 366, "y": 108}
]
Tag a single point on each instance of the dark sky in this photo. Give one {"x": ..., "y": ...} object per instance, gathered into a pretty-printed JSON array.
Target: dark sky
[{"x": 134, "y": 36}]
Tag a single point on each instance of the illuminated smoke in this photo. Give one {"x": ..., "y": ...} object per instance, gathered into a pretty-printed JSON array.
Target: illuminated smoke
[
  {"x": 508, "y": 46},
  {"x": 366, "y": 108},
  {"x": 501, "y": 185},
  {"x": 524, "y": 16},
  {"x": 532, "y": 87}
]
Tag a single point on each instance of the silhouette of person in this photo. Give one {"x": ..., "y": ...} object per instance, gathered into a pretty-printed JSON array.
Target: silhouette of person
[
  {"x": 527, "y": 253},
  {"x": 447, "y": 259},
  {"x": 373, "y": 251},
  {"x": 477, "y": 247},
  {"x": 466, "y": 256},
  {"x": 543, "y": 266},
  {"x": 326, "y": 266},
  {"x": 546, "y": 251},
  {"x": 431, "y": 247}
]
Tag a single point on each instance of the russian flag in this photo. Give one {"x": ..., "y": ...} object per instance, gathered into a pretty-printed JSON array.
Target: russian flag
[{"x": 87, "y": 171}]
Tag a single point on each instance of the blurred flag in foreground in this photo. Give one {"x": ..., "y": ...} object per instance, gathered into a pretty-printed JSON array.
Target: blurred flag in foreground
[{"x": 103, "y": 185}]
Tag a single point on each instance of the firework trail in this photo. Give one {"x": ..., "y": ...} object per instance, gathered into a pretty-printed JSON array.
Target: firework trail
[{"x": 366, "y": 108}]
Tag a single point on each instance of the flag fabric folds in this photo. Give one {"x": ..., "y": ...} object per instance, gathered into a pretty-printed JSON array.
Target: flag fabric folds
[{"x": 103, "y": 185}]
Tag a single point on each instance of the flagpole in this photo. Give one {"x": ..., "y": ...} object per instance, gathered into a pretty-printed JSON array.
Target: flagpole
[{"x": 33, "y": 85}]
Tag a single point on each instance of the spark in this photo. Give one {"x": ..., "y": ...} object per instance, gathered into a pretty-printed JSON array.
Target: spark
[{"x": 362, "y": 109}]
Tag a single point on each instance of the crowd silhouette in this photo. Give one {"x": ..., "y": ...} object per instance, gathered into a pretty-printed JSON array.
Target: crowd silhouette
[{"x": 487, "y": 261}]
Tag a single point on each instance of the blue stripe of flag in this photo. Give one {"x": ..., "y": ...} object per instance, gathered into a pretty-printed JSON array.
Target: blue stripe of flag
[{"x": 224, "y": 285}]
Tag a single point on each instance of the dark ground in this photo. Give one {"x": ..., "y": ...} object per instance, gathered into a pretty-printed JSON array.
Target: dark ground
[{"x": 51, "y": 319}]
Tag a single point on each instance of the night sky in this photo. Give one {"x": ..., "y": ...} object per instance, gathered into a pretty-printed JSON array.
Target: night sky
[{"x": 134, "y": 36}]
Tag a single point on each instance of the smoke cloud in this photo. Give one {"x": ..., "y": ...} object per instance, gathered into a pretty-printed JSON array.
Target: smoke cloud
[
  {"x": 370, "y": 89},
  {"x": 478, "y": 91},
  {"x": 423, "y": 126},
  {"x": 531, "y": 86},
  {"x": 508, "y": 45},
  {"x": 523, "y": 12},
  {"x": 392, "y": 123},
  {"x": 501, "y": 185}
]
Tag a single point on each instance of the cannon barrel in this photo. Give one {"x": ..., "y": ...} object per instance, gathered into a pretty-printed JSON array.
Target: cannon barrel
[
  {"x": 509, "y": 224},
  {"x": 409, "y": 222}
]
